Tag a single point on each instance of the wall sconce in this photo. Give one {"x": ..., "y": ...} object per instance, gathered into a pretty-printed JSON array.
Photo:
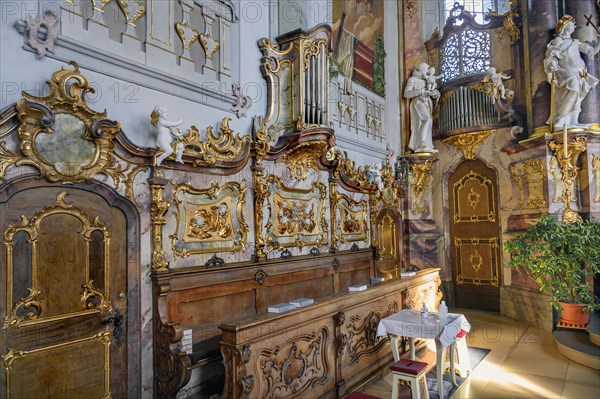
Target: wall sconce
[{"x": 401, "y": 168}]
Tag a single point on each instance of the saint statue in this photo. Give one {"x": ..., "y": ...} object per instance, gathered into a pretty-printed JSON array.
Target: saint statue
[
  {"x": 566, "y": 70},
  {"x": 420, "y": 90}
]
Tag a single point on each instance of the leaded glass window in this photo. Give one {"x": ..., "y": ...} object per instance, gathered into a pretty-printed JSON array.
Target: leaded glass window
[{"x": 465, "y": 52}]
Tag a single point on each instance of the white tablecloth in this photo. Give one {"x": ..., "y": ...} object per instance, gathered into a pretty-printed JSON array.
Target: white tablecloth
[{"x": 409, "y": 323}]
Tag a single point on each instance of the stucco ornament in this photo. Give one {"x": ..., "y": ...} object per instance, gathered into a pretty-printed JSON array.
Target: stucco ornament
[
  {"x": 421, "y": 92},
  {"x": 242, "y": 102},
  {"x": 41, "y": 32},
  {"x": 567, "y": 72},
  {"x": 165, "y": 133}
]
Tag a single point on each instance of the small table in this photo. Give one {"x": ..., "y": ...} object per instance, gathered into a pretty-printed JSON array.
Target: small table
[{"x": 409, "y": 323}]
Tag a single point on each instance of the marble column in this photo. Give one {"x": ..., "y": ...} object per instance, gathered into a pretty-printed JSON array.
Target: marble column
[
  {"x": 579, "y": 9},
  {"x": 541, "y": 23}
]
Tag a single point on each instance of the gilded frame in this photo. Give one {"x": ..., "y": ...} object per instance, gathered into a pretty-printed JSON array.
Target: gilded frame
[
  {"x": 351, "y": 218},
  {"x": 209, "y": 220},
  {"x": 288, "y": 227},
  {"x": 65, "y": 106}
]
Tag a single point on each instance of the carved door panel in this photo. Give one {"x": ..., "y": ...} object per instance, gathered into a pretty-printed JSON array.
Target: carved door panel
[
  {"x": 474, "y": 235},
  {"x": 63, "y": 295},
  {"x": 389, "y": 242}
]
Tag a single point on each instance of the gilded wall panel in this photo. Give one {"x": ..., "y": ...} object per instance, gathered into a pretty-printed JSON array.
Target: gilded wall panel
[
  {"x": 349, "y": 217},
  {"x": 209, "y": 219},
  {"x": 474, "y": 199},
  {"x": 296, "y": 216},
  {"x": 477, "y": 261}
]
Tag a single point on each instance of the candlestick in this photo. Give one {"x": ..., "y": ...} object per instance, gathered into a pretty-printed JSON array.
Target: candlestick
[{"x": 565, "y": 141}]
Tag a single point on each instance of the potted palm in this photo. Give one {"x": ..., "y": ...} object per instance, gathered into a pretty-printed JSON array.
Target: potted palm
[{"x": 562, "y": 258}]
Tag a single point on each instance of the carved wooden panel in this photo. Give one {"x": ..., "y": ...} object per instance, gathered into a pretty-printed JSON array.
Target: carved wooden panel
[
  {"x": 65, "y": 326},
  {"x": 474, "y": 233}
]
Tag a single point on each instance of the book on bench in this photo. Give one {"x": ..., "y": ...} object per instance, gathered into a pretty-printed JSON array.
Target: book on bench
[
  {"x": 301, "y": 302},
  {"x": 357, "y": 287},
  {"x": 407, "y": 274},
  {"x": 281, "y": 308}
]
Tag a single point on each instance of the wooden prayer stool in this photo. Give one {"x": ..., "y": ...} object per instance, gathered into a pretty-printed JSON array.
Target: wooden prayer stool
[{"x": 411, "y": 371}]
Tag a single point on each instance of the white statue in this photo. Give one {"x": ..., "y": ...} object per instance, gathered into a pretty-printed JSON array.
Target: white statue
[
  {"x": 375, "y": 175},
  {"x": 498, "y": 89},
  {"x": 421, "y": 109},
  {"x": 431, "y": 78},
  {"x": 563, "y": 63},
  {"x": 165, "y": 130}
]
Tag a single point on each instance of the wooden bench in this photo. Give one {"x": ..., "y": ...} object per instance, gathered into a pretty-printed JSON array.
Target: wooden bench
[{"x": 202, "y": 299}]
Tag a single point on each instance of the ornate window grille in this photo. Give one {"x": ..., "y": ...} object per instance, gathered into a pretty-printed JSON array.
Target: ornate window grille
[{"x": 466, "y": 47}]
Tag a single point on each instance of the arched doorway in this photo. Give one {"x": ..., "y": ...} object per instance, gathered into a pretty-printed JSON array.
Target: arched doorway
[
  {"x": 474, "y": 235},
  {"x": 69, "y": 299}
]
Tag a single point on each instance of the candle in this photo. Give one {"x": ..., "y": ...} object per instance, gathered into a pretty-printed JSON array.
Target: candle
[{"x": 565, "y": 141}]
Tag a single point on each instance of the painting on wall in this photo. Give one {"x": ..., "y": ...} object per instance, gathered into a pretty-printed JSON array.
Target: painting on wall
[{"x": 358, "y": 48}]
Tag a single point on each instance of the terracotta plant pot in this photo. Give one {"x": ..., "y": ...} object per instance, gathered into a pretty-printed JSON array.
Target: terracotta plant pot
[{"x": 573, "y": 314}]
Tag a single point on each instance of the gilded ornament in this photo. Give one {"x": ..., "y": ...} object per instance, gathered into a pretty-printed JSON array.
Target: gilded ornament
[
  {"x": 303, "y": 157},
  {"x": 139, "y": 10},
  {"x": 94, "y": 298},
  {"x": 158, "y": 210},
  {"x": 534, "y": 172},
  {"x": 33, "y": 230},
  {"x": 420, "y": 180},
  {"x": 468, "y": 143},
  {"x": 477, "y": 185},
  {"x": 82, "y": 139},
  {"x": 210, "y": 219},
  {"x": 209, "y": 44},
  {"x": 30, "y": 305},
  {"x": 129, "y": 183},
  {"x": 353, "y": 222},
  {"x": 287, "y": 227},
  {"x": 224, "y": 147},
  {"x": 182, "y": 29},
  {"x": 411, "y": 8},
  {"x": 568, "y": 164}
]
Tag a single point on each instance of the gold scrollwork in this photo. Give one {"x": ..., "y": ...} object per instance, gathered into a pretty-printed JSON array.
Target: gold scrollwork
[
  {"x": 509, "y": 22},
  {"x": 30, "y": 304},
  {"x": 468, "y": 143},
  {"x": 209, "y": 220},
  {"x": 94, "y": 298},
  {"x": 517, "y": 175},
  {"x": 82, "y": 138},
  {"x": 312, "y": 48},
  {"x": 303, "y": 157},
  {"x": 227, "y": 146},
  {"x": 420, "y": 180},
  {"x": 209, "y": 45},
  {"x": 353, "y": 222},
  {"x": 301, "y": 231},
  {"x": 354, "y": 176},
  {"x": 7, "y": 158},
  {"x": 33, "y": 230}
]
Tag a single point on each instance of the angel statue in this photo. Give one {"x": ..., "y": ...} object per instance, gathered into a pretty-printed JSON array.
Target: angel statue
[{"x": 165, "y": 132}]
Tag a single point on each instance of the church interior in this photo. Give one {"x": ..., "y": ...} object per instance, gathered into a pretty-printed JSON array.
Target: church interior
[{"x": 299, "y": 199}]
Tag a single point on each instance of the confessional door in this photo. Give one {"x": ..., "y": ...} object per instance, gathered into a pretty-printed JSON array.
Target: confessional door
[
  {"x": 64, "y": 297},
  {"x": 474, "y": 234}
]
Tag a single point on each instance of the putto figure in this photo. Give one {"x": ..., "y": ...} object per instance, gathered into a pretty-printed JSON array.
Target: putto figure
[
  {"x": 566, "y": 69},
  {"x": 421, "y": 109},
  {"x": 165, "y": 132},
  {"x": 498, "y": 89}
]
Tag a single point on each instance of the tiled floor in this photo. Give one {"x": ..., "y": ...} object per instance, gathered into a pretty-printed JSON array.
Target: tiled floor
[{"x": 523, "y": 363}]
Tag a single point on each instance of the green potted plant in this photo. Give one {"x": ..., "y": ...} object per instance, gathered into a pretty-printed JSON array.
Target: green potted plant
[{"x": 562, "y": 258}]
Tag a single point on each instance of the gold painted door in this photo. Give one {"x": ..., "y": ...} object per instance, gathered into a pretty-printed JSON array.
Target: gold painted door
[
  {"x": 63, "y": 295},
  {"x": 474, "y": 235}
]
